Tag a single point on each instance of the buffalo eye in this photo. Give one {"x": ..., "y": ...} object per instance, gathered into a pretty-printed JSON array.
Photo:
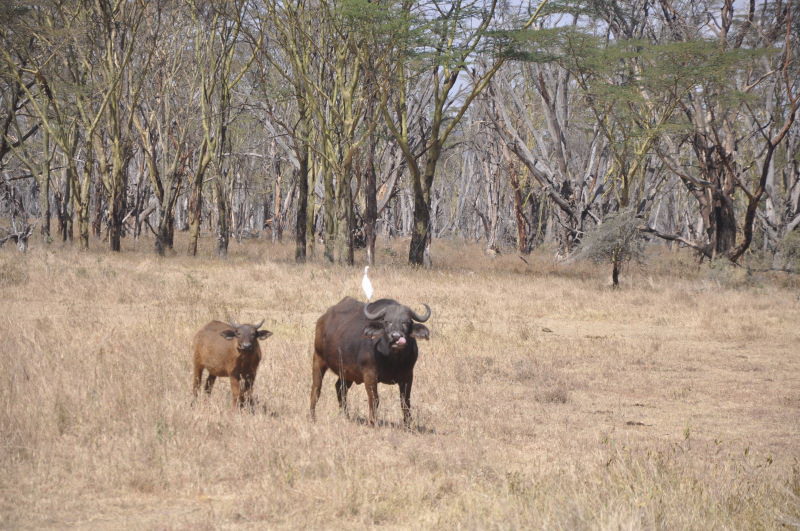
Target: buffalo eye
[{"x": 374, "y": 329}]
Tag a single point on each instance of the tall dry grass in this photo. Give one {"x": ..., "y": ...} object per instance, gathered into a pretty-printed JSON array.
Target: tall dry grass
[{"x": 544, "y": 399}]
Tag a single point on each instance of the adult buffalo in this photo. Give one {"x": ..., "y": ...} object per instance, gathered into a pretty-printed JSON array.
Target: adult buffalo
[{"x": 370, "y": 343}]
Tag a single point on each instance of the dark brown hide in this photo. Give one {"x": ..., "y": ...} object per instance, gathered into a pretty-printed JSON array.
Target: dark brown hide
[
  {"x": 231, "y": 351},
  {"x": 370, "y": 351}
]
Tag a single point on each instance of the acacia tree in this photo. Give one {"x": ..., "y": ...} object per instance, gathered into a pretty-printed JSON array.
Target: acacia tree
[
  {"x": 117, "y": 33},
  {"x": 165, "y": 116},
  {"x": 565, "y": 160},
  {"x": 716, "y": 112},
  {"x": 348, "y": 92},
  {"x": 217, "y": 29},
  {"x": 439, "y": 45},
  {"x": 17, "y": 128},
  {"x": 58, "y": 84},
  {"x": 780, "y": 118},
  {"x": 636, "y": 80},
  {"x": 17, "y": 43},
  {"x": 292, "y": 26}
]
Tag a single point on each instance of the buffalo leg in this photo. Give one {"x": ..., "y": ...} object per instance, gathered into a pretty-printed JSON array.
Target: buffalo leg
[
  {"x": 236, "y": 390},
  {"x": 317, "y": 372},
  {"x": 371, "y": 383},
  {"x": 210, "y": 383},
  {"x": 246, "y": 396},
  {"x": 405, "y": 400},
  {"x": 197, "y": 379},
  {"x": 342, "y": 386}
]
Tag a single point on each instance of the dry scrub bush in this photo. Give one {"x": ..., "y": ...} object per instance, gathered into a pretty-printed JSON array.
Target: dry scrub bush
[
  {"x": 616, "y": 241},
  {"x": 542, "y": 400},
  {"x": 788, "y": 255}
]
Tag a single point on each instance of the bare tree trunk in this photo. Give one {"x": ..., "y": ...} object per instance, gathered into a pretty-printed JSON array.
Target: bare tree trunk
[
  {"x": 116, "y": 210},
  {"x": 492, "y": 206},
  {"x": 310, "y": 211},
  {"x": 43, "y": 180},
  {"x": 344, "y": 223},
  {"x": 277, "y": 215},
  {"x": 371, "y": 202},
  {"x": 195, "y": 213},
  {"x": 724, "y": 223},
  {"x": 223, "y": 229},
  {"x": 44, "y": 202},
  {"x": 266, "y": 208},
  {"x": 117, "y": 186},
  {"x": 420, "y": 234},
  {"x": 97, "y": 224},
  {"x": 523, "y": 245},
  {"x": 81, "y": 199},
  {"x": 418, "y": 251},
  {"x": 329, "y": 204},
  {"x": 165, "y": 232},
  {"x": 64, "y": 216},
  {"x": 302, "y": 205}
]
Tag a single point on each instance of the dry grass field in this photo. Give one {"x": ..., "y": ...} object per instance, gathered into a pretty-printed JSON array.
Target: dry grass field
[{"x": 544, "y": 399}]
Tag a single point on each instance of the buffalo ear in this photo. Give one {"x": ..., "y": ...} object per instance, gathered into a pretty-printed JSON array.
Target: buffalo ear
[
  {"x": 374, "y": 330},
  {"x": 263, "y": 334},
  {"x": 228, "y": 334},
  {"x": 419, "y": 331}
]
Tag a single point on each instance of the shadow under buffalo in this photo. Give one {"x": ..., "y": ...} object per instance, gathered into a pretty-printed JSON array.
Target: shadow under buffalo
[{"x": 415, "y": 428}]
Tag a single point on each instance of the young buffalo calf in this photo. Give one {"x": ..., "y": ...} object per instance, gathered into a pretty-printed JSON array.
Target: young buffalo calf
[{"x": 230, "y": 350}]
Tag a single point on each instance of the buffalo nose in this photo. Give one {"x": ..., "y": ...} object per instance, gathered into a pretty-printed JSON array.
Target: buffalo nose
[
  {"x": 246, "y": 345},
  {"x": 396, "y": 335}
]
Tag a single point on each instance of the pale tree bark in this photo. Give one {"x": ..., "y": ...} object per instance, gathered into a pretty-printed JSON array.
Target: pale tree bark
[
  {"x": 37, "y": 163},
  {"x": 71, "y": 119},
  {"x": 292, "y": 22},
  {"x": 515, "y": 131},
  {"x": 118, "y": 23},
  {"x": 716, "y": 125},
  {"x": 453, "y": 51},
  {"x": 370, "y": 200},
  {"x": 772, "y": 137},
  {"x": 218, "y": 26},
  {"x": 164, "y": 118},
  {"x": 338, "y": 107}
]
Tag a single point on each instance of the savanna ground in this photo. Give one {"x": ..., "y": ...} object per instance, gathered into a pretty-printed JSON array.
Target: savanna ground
[{"x": 544, "y": 399}]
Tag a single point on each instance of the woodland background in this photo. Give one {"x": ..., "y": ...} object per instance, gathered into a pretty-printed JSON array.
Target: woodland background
[{"x": 333, "y": 122}]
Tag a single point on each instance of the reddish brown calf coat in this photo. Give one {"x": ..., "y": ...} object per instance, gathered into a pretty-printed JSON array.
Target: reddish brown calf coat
[{"x": 230, "y": 351}]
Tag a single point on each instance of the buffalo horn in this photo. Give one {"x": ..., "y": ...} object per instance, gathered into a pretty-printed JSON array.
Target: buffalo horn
[
  {"x": 259, "y": 324},
  {"x": 373, "y": 316},
  {"x": 422, "y": 318}
]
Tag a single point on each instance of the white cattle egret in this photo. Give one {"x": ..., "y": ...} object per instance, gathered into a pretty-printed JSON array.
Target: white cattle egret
[{"x": 366, "y": 285}]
